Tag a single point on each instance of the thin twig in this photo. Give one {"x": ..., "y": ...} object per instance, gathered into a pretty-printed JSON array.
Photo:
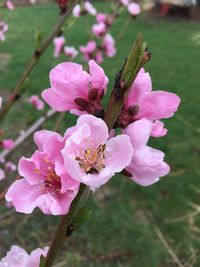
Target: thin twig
[
  {"x": 28, "y": 133},
  {"x": 168, "y": 248}
]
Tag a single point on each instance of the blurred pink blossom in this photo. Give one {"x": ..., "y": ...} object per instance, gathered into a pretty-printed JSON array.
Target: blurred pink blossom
[
  {"x": 108, "y": 45},
  {"x": 9, "y": 4},
  {"x": 2, "y": 177},
  {"x": 134, "y": 9},
  {"x": 58, "y": 45},
  {"x": 3, "y": 29},
  {"x": 7, "y": 143},
  {"x": 90, "y": 156},
  {"x": 36, "y": 102},
  {"x": 46, "y": 184},
  {"x": 99, "y": 29},
  {"x": 124, "y": 2},
  {"x": 90, "y": 8},
  {"x": 76, "y": 11},
  {"x": 88, "y": 50},
  {"x": 18, "y": 257},
  {"x": 147, "y": 165},
  {"x": 70, "y": 51},
  {"x": 10, "y": 166}
]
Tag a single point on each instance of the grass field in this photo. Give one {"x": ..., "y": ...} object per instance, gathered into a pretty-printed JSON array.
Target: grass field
[{"x": 129, "y": 222}]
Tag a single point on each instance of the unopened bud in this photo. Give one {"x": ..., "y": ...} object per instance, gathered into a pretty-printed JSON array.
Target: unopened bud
[
  {"x": 81, "y": 102},
  {"x": 134, "y": 110},
  {"x": 93, "y": 94}
]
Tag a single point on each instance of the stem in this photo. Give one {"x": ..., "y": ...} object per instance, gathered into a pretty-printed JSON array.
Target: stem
[
  {"x": 61, "y": 233},
  {"x": 50, "y": 113},
  {"x": 18, "y": 91}
]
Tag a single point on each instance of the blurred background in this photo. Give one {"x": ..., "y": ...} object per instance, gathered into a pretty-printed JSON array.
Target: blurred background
[{"x": 131, "y": 226}]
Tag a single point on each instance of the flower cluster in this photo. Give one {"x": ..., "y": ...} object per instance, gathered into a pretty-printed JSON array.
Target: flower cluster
[
  {"x": 18, "y": 257},
  {"x": 88, "y": 153},
  {"x": 102, "y": 43}
]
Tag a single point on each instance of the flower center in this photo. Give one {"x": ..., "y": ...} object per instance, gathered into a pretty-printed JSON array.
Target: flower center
[
  {"x": 52, "y": 180},
  {"x": 92, "y": 160}
]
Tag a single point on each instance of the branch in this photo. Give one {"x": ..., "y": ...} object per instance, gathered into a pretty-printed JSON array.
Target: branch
[
  {"x": 28, "y": 133},
  {"x": 61, "y": 235},
  {"x": 138, "y": 56},
  {"x": 19, "y": 89}
]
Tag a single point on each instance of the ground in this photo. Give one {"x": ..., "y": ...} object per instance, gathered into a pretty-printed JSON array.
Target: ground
[{"x": 131, "y": 226}]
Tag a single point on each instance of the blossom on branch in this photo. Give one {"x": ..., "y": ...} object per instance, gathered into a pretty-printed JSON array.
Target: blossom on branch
[
  {"x": 75, "y": 90},
  {"x": 18, "y": 257},
  {"x": 46, "y": 183},
  {"x": 147, "y": 165},
  {"x": 90, "y": 156}
]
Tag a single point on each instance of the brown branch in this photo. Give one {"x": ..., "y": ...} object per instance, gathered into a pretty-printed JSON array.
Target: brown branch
[
  {"x": 60, "y": 235},
  {"x": 19, "y": 89}
]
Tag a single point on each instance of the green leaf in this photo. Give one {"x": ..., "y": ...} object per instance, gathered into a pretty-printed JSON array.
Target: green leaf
[
  {"x": 42, "y": 261},
  {"x": 134, "y": 61}
]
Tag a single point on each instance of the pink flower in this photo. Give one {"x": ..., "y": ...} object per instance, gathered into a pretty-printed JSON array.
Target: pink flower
[
  {"x": 10, "y": 166},
  {"x": 70, "y": 51},
  {"x": 99, "y": 29},
  {"x": 142, "y": 102},
  {"x": 90, "y": 156},
  {"x": 0, "y": 102},
  {"x": 9, "y": 4},
  {"x": 101, "y": 17},
  {"x": 147, "y": 165},
  {"x": 104, "y": 18},
  {"x": 76, "y": 11},
  {"x": 18, "y": 257},
  {"x": 124, "y": 2},
  {"x": 158, "y": 129},
  {"x": 36, "y": 102},
  {"x": 99, "y": 57},
  {"x": 7, "y": 143},
  {"x": 109, "y": 45},
  {"x": 88, "y": 51},
  {"x": 46, "y": 184},
  {"x": 3, "y": 29},
  {"x": 74, "y": 89},
  {"x": 58, "y": 45},
  {"x": 2, "y": 175},
  {"x": 90, "y": 8},
  {"x": 134, "y": 9}
]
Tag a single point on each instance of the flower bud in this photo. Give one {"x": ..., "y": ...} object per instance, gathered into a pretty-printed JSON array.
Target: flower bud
[
  {"x": 93, "y": 94},
  {"x": 81, "y": 102},
  {"x": 133, "y": 110}
]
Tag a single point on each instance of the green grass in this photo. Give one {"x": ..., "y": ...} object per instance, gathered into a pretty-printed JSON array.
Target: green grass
[{"x": 121, "y": 231}]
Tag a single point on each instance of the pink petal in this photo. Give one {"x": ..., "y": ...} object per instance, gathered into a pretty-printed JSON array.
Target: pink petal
[
  {"x": 50, "y": 142},
  {"x": 158, "y": 104},
  {"x": 98, "y": 77},
  {"x": 23, "y": 196},
  {"x": 119, "y": 152},
  {"x": 28, "y": 169},
  {"x": 141, "y": 86},
  {"x": 139, "y": 132},
  {"x": 158, "y": 129},
  {"x": 147, "y": 166}
]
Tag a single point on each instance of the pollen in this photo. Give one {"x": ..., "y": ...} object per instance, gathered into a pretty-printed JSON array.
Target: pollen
[{"x": 92, "y": 160}]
